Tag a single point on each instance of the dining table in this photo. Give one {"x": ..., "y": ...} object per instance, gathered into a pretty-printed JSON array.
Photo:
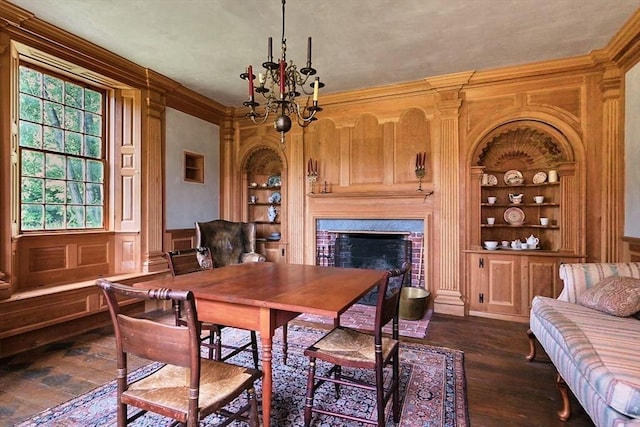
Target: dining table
[{"x": 264, "y": 296}]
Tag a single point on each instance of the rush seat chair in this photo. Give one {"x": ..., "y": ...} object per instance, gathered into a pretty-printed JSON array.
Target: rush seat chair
[
  {"x": 354, "y": 350},
  {"x": 190, "y": 260},
  {"x": 187, "y": 387}
]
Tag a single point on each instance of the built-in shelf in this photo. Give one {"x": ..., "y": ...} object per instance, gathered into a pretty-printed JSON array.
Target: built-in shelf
[{"x": 193, "y": 167}]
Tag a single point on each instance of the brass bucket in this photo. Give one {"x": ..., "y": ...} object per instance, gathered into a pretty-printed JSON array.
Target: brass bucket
[{"x": 413, "y": 302}]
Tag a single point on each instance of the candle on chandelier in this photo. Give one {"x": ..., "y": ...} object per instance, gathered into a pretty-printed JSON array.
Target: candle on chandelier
[
  {"x": 309, "y": 51},
  {"x": 250, "y": 77},
  {"x": 309, "y": 167},
  {"x": 270, "y": 51},
  {"x": 315, "y": 167},
  {"x": 282, "y": 78},
  {"x": 417, "y": 160},
  {"x": 316, "y": 88},
  {"x": 261, "y": 78}
]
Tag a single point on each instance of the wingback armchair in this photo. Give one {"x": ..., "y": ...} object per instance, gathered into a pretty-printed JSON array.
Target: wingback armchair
[{"x": 229, "y": 242}]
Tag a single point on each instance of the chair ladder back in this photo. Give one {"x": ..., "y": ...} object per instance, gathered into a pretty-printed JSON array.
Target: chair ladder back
[
  {"x": 388, "y": 302},
  {"x": 185, "y": 261},
  {"x": 150, "y": 339},
  {"x": 155, "y": 341}
]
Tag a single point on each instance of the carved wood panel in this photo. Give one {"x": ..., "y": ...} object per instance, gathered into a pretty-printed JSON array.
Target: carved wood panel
[{"x": 366, "y": 154}]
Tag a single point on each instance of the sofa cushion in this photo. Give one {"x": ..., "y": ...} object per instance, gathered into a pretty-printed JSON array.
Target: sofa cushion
[
  {"x": 592, "y": 350},
  {"x": 577, "y": 278},
  {"x": 619, "y": 296}
]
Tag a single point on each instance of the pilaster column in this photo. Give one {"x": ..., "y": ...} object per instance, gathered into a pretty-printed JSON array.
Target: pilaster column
[
  {"x": 612, "y": 166},
  {"x": 152, "y": 201},
  {"x": 449, "y": 298},
  {"x": 228, "y": 168}
]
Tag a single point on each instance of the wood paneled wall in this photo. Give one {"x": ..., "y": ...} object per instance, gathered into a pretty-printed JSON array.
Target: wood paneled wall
[{"x": 366, "y": 141}]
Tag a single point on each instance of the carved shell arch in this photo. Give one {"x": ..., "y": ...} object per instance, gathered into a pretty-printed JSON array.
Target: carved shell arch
[
  {"x": 526, "y": 143},
  {"x": 265, "y": 160}
]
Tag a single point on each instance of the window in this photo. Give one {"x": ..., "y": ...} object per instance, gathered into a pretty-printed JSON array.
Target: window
[{"x": 62, "y": 152}]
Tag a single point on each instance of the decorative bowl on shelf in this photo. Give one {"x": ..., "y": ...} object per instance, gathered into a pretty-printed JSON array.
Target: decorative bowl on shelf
[
  {"x": 491, "y": 244},
  {"x": 515, "y": 181},
  {"x": 513, "y": 177}
]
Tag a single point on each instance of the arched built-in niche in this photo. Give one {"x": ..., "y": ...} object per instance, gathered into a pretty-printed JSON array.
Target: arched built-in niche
[{"x": 532, "y": 148}]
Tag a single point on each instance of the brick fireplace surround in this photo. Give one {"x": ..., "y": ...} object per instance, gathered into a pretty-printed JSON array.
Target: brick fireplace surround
[{"x": 327, "y": 230}]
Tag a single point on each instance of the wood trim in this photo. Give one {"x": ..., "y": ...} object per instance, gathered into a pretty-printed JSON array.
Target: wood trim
[{"x": 631, "y": 248}]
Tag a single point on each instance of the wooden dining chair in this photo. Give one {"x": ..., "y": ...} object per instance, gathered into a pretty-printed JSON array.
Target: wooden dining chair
[
  {"x": 196, "y": 259},
  {"x": 348, "y": 348},
  {"x": 187, "y": 388}
]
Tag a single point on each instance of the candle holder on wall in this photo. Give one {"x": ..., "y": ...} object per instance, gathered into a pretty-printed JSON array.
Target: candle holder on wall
[
  {"x": 421, "y": 171},
  {"x": 312, "y": 173}
]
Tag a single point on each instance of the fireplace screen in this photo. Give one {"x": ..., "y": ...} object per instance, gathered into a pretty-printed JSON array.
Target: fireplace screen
[{"x": 375, "y": 251}]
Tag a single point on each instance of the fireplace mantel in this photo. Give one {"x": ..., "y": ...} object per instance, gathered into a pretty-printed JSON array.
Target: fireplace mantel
[{"x": 374, "y": 195}]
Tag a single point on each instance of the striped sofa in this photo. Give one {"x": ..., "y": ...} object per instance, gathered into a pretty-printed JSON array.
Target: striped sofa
[{"x": 597, "y": 355}]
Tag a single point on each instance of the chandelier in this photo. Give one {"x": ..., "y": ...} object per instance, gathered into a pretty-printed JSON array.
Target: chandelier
[{"x": 279, "y": 84}]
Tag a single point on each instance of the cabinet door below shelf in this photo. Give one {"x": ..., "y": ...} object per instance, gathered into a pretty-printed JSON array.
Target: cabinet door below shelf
[
  {"x": 273, "y": 251},
  {"x": 495, "y": 284}
]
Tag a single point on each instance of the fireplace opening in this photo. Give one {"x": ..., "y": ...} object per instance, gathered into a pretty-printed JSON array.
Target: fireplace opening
[{"x": 374, "y": 251}]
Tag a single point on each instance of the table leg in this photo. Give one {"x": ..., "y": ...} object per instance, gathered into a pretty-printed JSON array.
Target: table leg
[{"x": 267, "y": 380}]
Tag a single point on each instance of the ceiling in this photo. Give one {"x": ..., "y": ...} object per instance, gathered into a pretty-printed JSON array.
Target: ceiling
[{"x": 206, "y": 44}]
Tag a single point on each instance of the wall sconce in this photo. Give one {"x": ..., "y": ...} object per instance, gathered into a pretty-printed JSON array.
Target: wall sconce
[
  {"x": 312, "y": 172},
  {"x": 421, "y": 171}
]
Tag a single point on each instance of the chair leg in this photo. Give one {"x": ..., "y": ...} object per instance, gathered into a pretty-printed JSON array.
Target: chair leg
[
  {"x": 217, "y": 334},
  {"x": 337, "y": 374},
  {"x": 308, "y": 404},
  {"x": 212, "y": 343},
  {"x": 122, "y": 415},
  {"x": 254, "y": 419},
  {"x": 380, "y": 395},
  {"x": 395, "y": 377},
  {"x": 285, "y": 343},
  {"x": 254, "y": 349}
]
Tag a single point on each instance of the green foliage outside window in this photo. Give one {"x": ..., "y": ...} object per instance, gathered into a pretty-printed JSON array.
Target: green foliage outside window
[{"x": 61, "y": 153}]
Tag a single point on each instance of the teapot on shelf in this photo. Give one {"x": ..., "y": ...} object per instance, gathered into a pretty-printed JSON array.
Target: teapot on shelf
[
  {"x": 532, "y": 241},
  {"x": 516, "y": 198}
]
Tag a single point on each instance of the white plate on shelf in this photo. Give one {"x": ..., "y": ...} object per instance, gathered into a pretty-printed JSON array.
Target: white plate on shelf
[
  {"x": 514, "y": 216},
  {"x": 492, "y": 249},
  {"x": 491, "y": 180},
  {"x": 539, "y": 178},
  {"x": 275, "y": 197},
  {"x": 508, "y": 175}
]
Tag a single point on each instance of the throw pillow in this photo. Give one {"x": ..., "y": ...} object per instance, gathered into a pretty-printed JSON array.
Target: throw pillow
[{"x": 619, "y": 296}]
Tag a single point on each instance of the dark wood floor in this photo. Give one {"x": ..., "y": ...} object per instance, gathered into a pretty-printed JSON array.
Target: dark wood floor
[{"x": 503, "y": 389}]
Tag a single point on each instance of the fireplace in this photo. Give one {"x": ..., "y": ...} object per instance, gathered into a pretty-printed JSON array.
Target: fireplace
[
  {"x": 376, "y": 244},
  {"x": 375, "y": 251}
]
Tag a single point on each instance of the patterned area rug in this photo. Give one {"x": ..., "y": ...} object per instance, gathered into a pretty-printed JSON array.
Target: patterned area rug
[
  {"x": 361, "y": 316},
  {"x": 433, "y": 391}
]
